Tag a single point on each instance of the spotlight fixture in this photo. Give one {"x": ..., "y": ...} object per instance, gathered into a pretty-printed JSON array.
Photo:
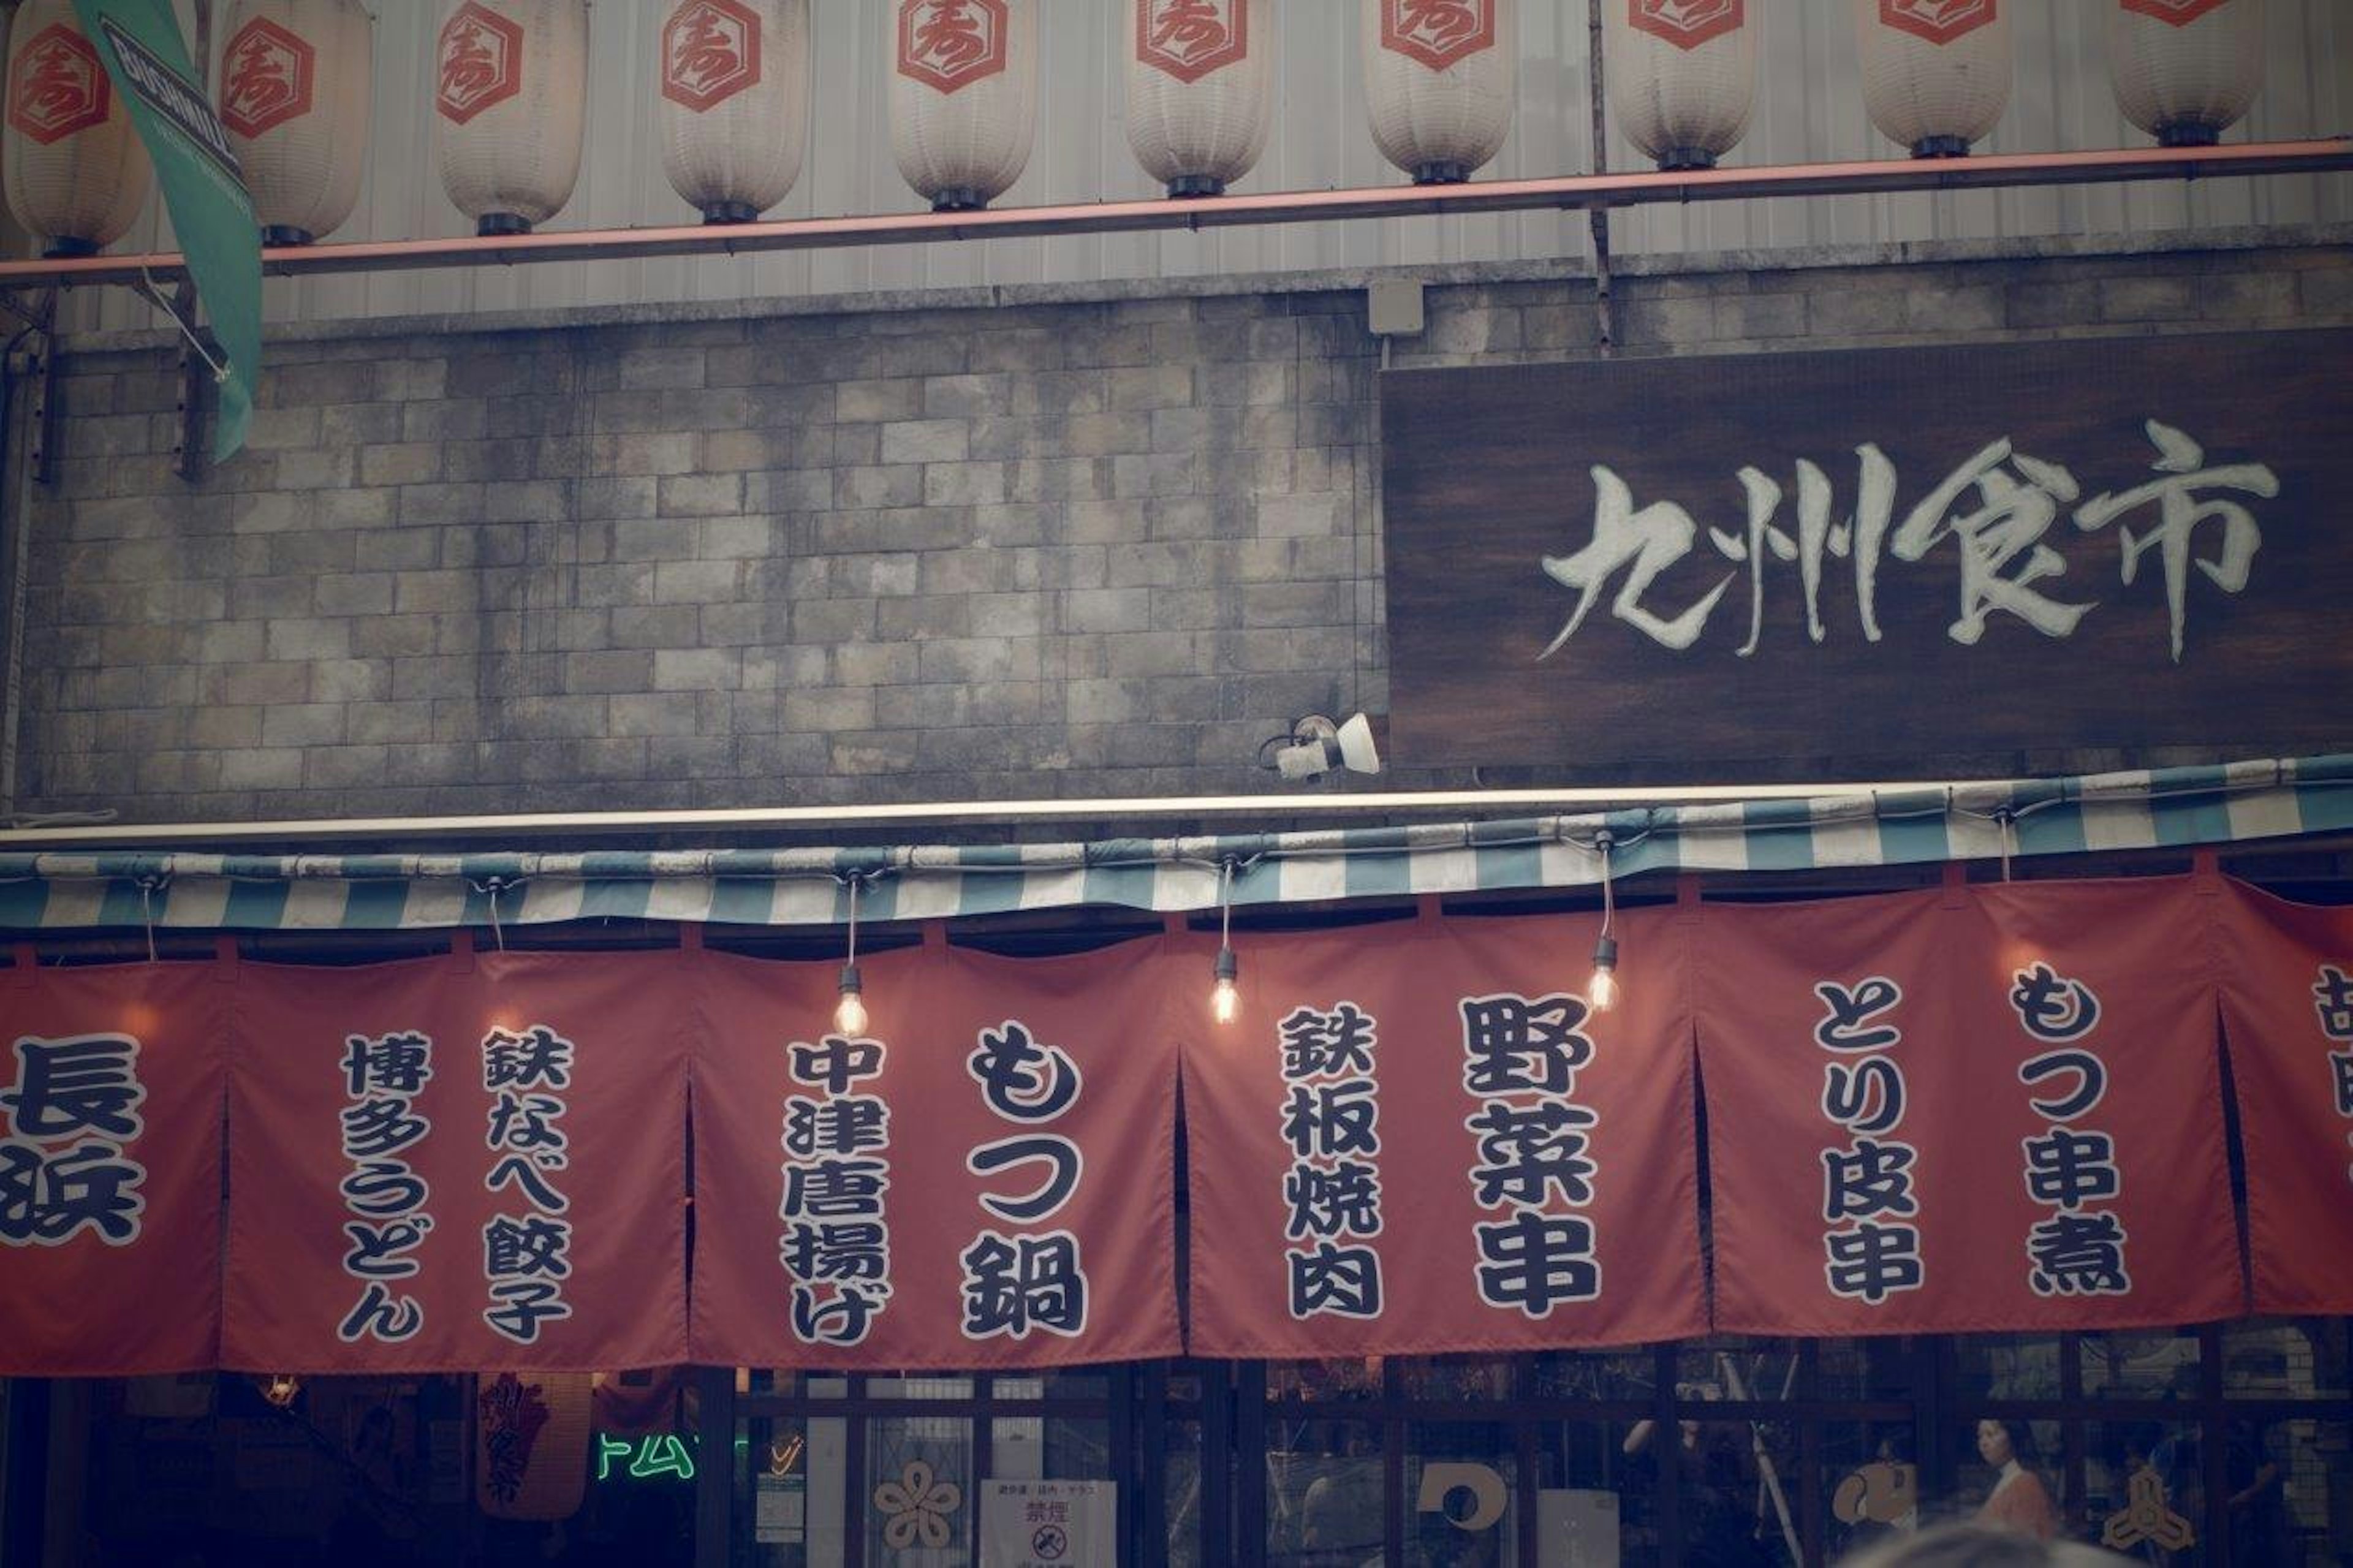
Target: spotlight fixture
[
  {"x": 279, "y": 1389},
  {"x": 1316, "y": 745},
  {"x": 1602, "y": 991}
]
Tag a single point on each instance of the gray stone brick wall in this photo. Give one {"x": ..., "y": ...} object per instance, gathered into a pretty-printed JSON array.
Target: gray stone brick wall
[{"x": 877, "y": 552}]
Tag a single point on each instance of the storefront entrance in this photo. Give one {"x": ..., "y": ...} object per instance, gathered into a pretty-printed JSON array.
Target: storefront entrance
[{"x": 2229, "y": 1445}]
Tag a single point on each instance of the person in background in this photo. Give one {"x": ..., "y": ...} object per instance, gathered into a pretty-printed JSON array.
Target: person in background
[
  {"x": 2260, "y": 1531},
  {"x": 372, "y": 1527},
  {"x": 1721, "y": 1512},
  {"x": 2019, "y": 1502}
]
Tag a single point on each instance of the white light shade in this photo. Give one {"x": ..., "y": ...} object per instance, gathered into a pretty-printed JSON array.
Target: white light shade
[
  {"x": 732, "y": 97},
  {"x": 1681, "y": 75},
  {"x": 964, "y": 96},
  {"x": 294, "y": 85},
  {"x": 75, "y": 172},
  {"x": 1439, "y": 82},
  {"x": 511, "y": 90},
  {"x": 1936, "y": 73},
  {"x": 1200, "y": 89},
  {"x": 2185, "y": 70}
]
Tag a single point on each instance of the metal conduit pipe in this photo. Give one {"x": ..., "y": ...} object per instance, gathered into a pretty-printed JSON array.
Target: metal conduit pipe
[{"x": 1573, "y": 193}]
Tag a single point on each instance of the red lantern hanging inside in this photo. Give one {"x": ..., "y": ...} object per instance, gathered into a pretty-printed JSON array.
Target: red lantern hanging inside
[
  {"x": 531, "y": 1443},
  {"x": 1681, "y": 75},
  {"x": 1200, "y": 89},
  {"x": 511, "y": 89},
  {"x": 963, "y": 97},
  {"x": 734, "y": 103},
  {"x": 1439, "y": 82},
  {"x": 2185, "y": 70},
  {"x": 75, "y": 171},
  {"x": 294, "y": 99},
  {"x": 1936, "y": 73}
]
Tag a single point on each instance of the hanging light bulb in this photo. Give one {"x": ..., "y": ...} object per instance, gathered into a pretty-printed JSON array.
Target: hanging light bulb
[
  {"x": 1225, "y": 999},
  {"x": 1602, "y": 991},
  {"x": 850, "y": 1013},
  {"x": 279, "y": 1389}
]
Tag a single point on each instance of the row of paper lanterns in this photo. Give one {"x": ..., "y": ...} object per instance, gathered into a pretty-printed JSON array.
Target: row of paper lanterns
[{"x": 512, "y": 97}]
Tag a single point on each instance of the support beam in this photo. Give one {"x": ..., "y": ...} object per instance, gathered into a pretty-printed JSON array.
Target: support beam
[
  {"x": 1605, "y": 323},
  {"x": 42, "y": 442},
  {"x": 1567, "y": 193}
]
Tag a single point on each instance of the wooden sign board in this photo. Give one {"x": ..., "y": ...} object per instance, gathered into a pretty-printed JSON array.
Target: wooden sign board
[{"x": 1888, "y": 563}]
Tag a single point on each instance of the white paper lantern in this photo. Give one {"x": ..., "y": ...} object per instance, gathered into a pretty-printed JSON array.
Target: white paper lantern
[
  {"x": 734, "y": 101},
  {"x": 294, "y": 86},
  {"x": 1200, "y": 89},
  {"x": 511, "y": 90},
  {"x": 2185, "y": 70},
  {"x": 1936, "y": 73},
  {"x": 1440, "y": 81},
  {"x": 963, "y": 97},
  {"x": 1681, "y": 75},
  {"x": 74, "y": 170}
]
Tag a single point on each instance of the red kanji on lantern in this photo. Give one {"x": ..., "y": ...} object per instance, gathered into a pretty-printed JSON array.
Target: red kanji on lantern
[
  {"x": 948, "y": 42},
  {"x": 267, "y": 78},
  {"x": 480, "y": 57},
  {"x": 59, "y": 86},
  {"x": 711, "y": 52},
  {"x": 1938, "y": 21},
  {"x": 1686, "y": 23},
  {"x": 1438, "y": 32},
  {"x": 1189, "y": 38},
  {"x": 2179, "y": 13}
]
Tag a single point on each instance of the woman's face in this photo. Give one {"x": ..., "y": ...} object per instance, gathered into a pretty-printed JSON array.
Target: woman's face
[{"x": 1993, "y": 1444}]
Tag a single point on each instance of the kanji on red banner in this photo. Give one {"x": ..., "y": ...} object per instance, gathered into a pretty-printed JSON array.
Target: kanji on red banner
[
  {"x": 2286, "y": 980},
  {"x": 454, "y": 1165},
  {"x": 110, "y": 1084},
  {"x": 1416, "y": 1139},
  {"x": 984, "y": 1178},
  {"x": 1971, "y": 1108}
]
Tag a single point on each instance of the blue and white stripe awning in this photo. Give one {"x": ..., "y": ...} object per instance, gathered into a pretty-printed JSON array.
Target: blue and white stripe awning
[{"x": 2169, "y": 808}]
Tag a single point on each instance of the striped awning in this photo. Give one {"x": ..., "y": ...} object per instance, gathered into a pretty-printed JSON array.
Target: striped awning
[{"x": 2168, "y": 808}]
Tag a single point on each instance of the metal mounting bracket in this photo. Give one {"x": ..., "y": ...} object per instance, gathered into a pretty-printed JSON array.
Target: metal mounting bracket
[
  {"x": 188, "y": 448},
  {"x": 35, "y": 313}
]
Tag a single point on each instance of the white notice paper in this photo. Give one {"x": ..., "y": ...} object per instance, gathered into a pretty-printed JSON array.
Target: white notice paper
[
  {"x": 1049, "y": 1524},
  {"x": 779, "y": 1507}
]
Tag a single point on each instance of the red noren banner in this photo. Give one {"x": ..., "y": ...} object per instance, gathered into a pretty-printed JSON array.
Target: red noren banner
[
  {"x": 2287, "y": 1009},
  {"x": 457, "y": 1164},
  {"x": 1416, "y": 1139},
  {"x": 110, "y": 1168},
  {"x": 1973, "y": 1108},
  {"x": 1968, "y": 1109},
  {"x": 984, "y": 1177}
]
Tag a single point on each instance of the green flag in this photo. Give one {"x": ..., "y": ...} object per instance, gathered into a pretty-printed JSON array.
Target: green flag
[{"x": 211, "y": 210}]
